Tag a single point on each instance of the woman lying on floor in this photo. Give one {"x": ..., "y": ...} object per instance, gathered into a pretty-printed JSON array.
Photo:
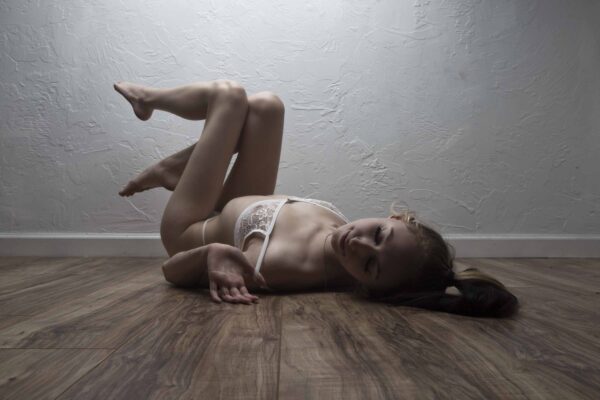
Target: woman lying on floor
[{"x": 240, "y": 237}]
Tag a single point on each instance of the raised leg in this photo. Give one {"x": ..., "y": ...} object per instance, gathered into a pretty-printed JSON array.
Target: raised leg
[
  {"x": 187, "y": 101},
  {"x": 256, "y": 167},
  {"x": 254, "y": 172},
  {"x": 165, "y": 173},
  {"x": 200, "y": 185}
]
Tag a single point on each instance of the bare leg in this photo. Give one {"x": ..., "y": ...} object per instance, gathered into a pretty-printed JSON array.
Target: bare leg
[
  {"x": 165, "y": 173},
  {"x": 225, "y": 105},
  {"x": 255, "y": 173},
  {"x": 187, "y": 101}
]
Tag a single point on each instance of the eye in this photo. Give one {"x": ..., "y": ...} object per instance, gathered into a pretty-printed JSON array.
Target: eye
[
  {"x": 377, "y": 231},
  {"x": 377, "y": 234}
]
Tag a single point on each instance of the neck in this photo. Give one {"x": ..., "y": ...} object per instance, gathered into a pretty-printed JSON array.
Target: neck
[{"x": 336, "y": 274}]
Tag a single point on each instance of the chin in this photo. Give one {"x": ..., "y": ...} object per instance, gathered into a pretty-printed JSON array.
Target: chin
[{"x": 358, "y": 277}]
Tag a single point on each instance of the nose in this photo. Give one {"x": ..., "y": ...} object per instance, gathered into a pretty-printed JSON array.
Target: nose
[{"x": 359, "y": 245}]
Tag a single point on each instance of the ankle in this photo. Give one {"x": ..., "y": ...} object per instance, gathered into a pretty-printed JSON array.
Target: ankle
[
  {"x": 171, "y": 164},
  {"x": 149, "y": 96}
]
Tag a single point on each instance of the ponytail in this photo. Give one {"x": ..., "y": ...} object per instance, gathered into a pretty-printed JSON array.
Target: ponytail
[{"x": 481, "y": 296}]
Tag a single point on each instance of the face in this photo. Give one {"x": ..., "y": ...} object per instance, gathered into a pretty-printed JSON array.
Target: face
[{"x": 376, "y": 251}]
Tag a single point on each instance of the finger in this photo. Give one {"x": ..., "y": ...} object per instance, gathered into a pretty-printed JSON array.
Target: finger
[
  {"x": 222, "y": 293},
  {"x": 226, "y": 295},
  {"x": 237, "y": 295},
  {"x": 213, "y": 292},
  {"x": 229, "y": 298},
  {"x": 215, "y": 297},
  {"x": 244, "y": 291}
]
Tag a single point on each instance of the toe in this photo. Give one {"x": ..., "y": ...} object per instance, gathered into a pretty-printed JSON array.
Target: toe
[
  {"x": 129, "y": 189},
  {"x": 118, "y": 89}
]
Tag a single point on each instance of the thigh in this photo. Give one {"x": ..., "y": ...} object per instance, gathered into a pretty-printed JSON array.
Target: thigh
[
  {"x": 259, "y": 148},
  {"x": 199, "y": 187}
]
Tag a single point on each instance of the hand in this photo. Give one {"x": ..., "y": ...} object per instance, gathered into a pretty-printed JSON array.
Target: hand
[{"x": 228, "y": 269}]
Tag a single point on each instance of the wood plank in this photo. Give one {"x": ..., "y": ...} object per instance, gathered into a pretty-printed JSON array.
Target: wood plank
[
  {"x": 337, "y": 347},
  {"x": 49, "y": 290},
  {"x": 44, "y": 374},
  {"x": 176, "y": 343},
  {"x": 45, "y": 270},
  {"x": 39, "y": 272},
  {"x": 535, "y": 272},
  {"x": 537, "y": 365},
  {"x": 9, "y": 320},
  {"x": 199, "y": 349},
  {"x": 565, "y": 317},
  {"x": 332, "y": 349},
  {"x": 100, "y": 319},
  {"x": 7, "y": 263},
  {"x": 575, "y": 271}
]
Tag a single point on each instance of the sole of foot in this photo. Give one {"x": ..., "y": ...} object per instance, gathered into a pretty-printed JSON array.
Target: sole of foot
[{"x": 153, "y": 177}]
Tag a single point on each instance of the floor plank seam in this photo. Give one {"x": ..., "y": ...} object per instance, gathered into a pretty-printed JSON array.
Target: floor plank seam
[{"x": 86, "y": 374}]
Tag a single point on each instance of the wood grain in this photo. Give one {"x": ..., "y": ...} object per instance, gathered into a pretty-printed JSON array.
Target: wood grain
[
  {"x": 31, "y": 289},
  {"x": 101, "y": 319},
  {"x": 44, "y": 374},
  {"x": 192, "y": 348},
  {"x": 79, "y": 328}
]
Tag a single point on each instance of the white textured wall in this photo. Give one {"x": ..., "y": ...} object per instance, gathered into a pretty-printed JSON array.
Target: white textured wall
[{"x": 483, "y": 116}]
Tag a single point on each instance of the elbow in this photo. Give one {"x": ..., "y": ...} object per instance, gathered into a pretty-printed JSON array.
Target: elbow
[
  {"x": 166, "y": 274},
  {"x": 175, "y": 279}
]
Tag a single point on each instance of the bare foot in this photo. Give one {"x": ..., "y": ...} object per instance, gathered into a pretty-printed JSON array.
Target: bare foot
[
  {"x": 157, "y": 175},
  {"x": 135, "y": 95}
]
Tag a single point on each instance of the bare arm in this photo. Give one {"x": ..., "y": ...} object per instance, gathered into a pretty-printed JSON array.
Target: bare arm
[
  {"x": 188, "y": 268},
  {"x": 225, "y": 267}
]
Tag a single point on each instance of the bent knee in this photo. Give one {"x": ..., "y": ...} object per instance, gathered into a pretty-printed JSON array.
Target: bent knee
[
  {"x": 227, "y": 84},
  {"x": 266, "y": 102},
  {"x": 230, "y": 89}
]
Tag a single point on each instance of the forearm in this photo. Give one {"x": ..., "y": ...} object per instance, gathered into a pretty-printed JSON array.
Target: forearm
[{"x": 188, "y": 268}]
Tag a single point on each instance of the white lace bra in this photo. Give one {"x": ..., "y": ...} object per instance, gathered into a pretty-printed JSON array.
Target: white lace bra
[{"x": 261, "y": 217}]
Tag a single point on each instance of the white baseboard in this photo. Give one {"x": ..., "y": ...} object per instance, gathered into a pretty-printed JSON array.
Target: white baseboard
[
  {"x": 150, "y": 245},
  {"x": 82, "y": 245},
  {"x": 525, "y": 246}
]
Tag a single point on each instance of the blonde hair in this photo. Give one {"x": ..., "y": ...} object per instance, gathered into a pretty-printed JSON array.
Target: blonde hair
[{"x": 481, "y": 295}]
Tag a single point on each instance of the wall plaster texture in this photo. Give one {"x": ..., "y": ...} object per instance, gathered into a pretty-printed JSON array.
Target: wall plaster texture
[{"x": 482, "y": 116}]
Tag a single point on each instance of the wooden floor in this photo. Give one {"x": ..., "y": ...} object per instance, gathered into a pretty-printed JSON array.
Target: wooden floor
[{"x": 112, "y": 328}]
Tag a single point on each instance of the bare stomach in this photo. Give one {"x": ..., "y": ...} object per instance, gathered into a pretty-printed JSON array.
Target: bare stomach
[{"x": 293, "y": 260}]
